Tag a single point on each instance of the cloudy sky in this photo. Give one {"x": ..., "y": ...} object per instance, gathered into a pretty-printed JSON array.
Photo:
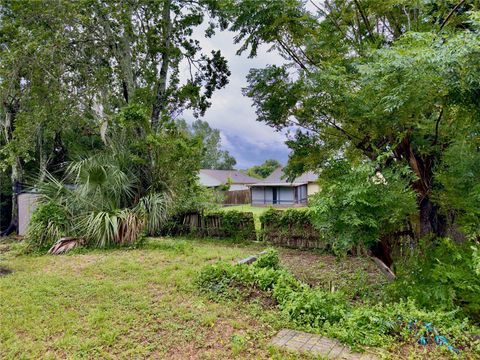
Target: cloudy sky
[{"x": 248, "y": 140}]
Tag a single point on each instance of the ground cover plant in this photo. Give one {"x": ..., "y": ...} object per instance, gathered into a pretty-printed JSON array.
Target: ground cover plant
[{"x": 385, "y": 325}]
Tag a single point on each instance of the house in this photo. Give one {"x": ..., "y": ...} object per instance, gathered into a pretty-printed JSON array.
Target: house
[
  {"x": 218, "y": 178},
  {"x": 276, "y": 190}
]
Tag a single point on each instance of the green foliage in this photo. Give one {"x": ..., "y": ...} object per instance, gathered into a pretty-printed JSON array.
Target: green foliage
[
  {"x": 358, "y": 205},
  {"x": 268, "y": 259},
  {"x": 374, "y": 81},
  {"x": 460, "y": 188},
  {"x": 291, "y": 227},
  {"x": 441, "y": 275},
  {"x": 216, "y": 278},
  {"x": 213, "y": 156},
  {"x": 313, "y": 309},
  {"x": 288, "y": 217},
  {"x": 126, "y": 189},
  {"x": 264, "y": 170},
  {"x": 383, "y": 324},
  {"x": 49, "y": 222},
  {"x": 235, "y": 224}
]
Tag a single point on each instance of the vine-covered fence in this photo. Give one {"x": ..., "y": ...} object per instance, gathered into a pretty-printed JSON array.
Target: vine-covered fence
[
  {"x": 228, "y": 224},
  {"x": 292, "y": 228}
]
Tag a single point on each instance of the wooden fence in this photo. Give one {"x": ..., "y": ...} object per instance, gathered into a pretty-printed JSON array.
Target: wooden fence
[
  {"x": 236, "y": 197},
  {"x": 230, "y": 224}
]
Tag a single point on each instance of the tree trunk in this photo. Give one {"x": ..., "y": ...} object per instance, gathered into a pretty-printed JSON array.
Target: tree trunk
[
  {"x": 430, "y": 221},
  {"x": 16, "y": 176},
  {"x": 161, "y": 92}
]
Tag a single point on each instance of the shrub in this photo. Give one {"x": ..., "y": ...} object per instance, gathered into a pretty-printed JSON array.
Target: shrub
[
  {"x": 216, "y": 278},
  {"x": 49, "y": 222},
  {"x": 358, "y": 205},
  {"x": 441, "y": 275},
  {"x": 236, "y": 224},
  {"x": 225, "y": 224},
  {"x": 382, "y": 324},
  {"x": 269, "y": 259},
  {"x": 313, "y": 307}
]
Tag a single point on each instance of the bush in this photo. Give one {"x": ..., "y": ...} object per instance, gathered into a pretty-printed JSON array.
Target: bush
[
  {"x": 383, "y": 324},
  {"x": 224, "y": 224},
  {"x": 49, "y": 222},
  {"x": 358, "y": 205},
  {"x": 441, "y": 275},
  {"x": 269, "y": 259},
  {"x": 217, "y": 278}
]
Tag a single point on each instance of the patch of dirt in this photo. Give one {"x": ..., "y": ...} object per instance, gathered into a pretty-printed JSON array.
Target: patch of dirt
[
  {"x": 4, "y": 271},
  {"x": 354, "y": 275},
  {"x": 4, "y": 248},
  {"x": 76, "y": 264},
  {"x": 253, "y": 294}
]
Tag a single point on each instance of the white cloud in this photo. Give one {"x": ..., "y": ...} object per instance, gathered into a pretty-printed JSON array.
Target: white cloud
[{"x": 248, "y": 140}]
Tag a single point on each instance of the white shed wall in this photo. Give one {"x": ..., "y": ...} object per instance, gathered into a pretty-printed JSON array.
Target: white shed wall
[{"x": 27, "y": 203}]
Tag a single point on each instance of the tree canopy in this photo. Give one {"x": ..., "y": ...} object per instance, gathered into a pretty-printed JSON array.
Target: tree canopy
[
  {"x": 214, "y": 157},
  {"x": 264, "y": 170},
  {"x": 67, "y": 69},
  {"x": 385, "y": 83}
]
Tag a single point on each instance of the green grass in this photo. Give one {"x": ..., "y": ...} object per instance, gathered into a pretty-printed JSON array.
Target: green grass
[
  {"x": 256, "y": 210},
  {"x": 128, "y": 303},
  {"x": 143, "y": 303}
]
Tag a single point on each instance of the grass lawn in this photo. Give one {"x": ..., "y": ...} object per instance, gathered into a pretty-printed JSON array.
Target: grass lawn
[
  {"x": 256, "y": 210},
  {"x": 142, "y": 303}
]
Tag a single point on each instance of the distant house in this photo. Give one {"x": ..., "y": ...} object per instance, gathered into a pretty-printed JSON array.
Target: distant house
[
  {"x": 218, "y": 178},
  {"x": 277, "y": 191}
]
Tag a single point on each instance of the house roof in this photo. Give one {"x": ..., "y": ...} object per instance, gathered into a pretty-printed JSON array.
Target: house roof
[
  {"x": 223, "y": 176},
  {"x": 277, "y": 178}
]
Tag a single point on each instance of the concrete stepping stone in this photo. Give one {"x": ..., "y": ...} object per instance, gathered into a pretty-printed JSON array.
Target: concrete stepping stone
[{"x": 316, "y": 344}]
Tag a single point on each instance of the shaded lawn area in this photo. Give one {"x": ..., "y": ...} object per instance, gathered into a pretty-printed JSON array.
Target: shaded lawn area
[{"x": 142, "y": 303}]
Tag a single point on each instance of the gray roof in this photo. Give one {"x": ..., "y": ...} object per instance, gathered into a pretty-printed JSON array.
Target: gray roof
[
  {"x": 278, "y": 178},
  {"x": 235, "y": 176}
]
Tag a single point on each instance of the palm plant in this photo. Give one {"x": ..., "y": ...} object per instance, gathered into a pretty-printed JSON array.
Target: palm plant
[{"x": 107, "y": 202}]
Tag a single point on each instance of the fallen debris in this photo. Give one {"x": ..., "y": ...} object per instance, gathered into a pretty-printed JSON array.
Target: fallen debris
[
  {"x": 65, "y": 244},
  {"x": 250, "y": 259}
]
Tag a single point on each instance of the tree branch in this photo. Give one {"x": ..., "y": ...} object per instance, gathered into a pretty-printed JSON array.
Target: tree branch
[{"x": 450, "y": 15}]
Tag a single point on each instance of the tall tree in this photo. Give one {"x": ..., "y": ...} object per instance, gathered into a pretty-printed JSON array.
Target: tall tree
[
  {"x": 36, "y": 104},
  {"x": 67, "y": 69},
  {"x": 213, "y": 155},
  {"x": 142, "y": 45},
  {"x": 380, "y": 81}
]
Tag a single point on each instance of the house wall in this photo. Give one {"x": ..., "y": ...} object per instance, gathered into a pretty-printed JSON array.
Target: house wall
[
  {"x": 261, "y": 195},
  {"x": 235, "y": 187},
  {"x": 302, "y": 194},
  {"x": 285, "y": 195},
  {"x": 312, "y": 188},
  {"x": 264, "y": 195}
]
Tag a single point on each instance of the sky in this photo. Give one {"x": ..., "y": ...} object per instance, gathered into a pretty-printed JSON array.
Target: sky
[{"x": 248, "y": 140}]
